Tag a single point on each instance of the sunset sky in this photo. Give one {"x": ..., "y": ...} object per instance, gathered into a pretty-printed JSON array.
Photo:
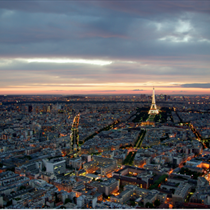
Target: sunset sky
[{"x": 104, "y": 47}]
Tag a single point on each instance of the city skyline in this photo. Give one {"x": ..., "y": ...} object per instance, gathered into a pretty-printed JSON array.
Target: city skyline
[{"x": 105, "y": 47}]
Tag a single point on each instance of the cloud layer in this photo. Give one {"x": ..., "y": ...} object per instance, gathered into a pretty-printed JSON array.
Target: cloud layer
[
  {"x": 197, "y": 85},
  {"x": 143, "y": 42}
]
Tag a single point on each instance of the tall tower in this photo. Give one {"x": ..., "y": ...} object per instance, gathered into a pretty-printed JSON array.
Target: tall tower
[
  {"x": 153, "y": 108},
  {"x": 75, "y": 134}
]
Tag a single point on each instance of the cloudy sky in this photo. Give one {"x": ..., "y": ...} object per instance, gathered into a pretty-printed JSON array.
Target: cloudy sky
[{"x": 104, "y": 46}]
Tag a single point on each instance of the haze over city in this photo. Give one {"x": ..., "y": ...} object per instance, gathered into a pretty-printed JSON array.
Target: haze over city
[{"x": 104, "y": 47}]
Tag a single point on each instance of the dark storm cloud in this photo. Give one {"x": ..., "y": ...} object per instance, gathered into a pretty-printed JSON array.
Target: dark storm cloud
[
  {"x": 50, "y": 6},
  {"x": 140, "y": 8},
  {"x": 131, "y": 6},
  {"x": 97, "y": 29},
  {"x": 196, "y": 85}
]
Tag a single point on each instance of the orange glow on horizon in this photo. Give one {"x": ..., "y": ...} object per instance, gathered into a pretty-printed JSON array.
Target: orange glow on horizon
[{"x": 101, "y": 90}]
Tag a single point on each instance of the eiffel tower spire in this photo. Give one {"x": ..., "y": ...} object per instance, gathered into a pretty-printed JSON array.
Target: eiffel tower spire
[{"x": 153, "y": 96}]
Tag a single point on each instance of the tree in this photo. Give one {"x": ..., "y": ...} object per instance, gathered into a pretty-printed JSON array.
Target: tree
[
  {"x": 11, "y": 169},
  {"x": 67, "y": 200},
  {"x": 56, "y": 197},
  {"x": 149, "y": 205},
  {"x": 29, "y": 157},
  {"x": 157, "y": 182},
  {"x": 141, "y": 204},
  {"x": 157, "y": 203},
  {"x": 22, "y": 187},
  {"x": 132, "y": 203},
  {"x": 9, "y": 203}
]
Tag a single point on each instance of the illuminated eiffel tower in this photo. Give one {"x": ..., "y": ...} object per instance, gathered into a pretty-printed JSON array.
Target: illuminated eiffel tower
[{"x": 153, "y": 108}]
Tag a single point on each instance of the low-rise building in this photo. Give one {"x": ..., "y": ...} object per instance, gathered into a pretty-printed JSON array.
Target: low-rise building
[
  {"x": 107, "y": 187},
  {"x": 56, "y": 165},
  {"x": 181, "y": 192},
  {"x": 122, "y": 197}
]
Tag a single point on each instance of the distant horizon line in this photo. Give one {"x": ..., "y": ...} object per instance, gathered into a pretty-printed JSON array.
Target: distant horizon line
[{"x": 99, "y": 94}]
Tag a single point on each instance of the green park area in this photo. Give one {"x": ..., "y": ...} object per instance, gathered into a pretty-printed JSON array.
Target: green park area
[
  {"x": 140, "y": 139},
  {"x": 151, "y": 118},
  {"x": 142, "y": 114},
  {"x": 165, "y": 112},
  {"x": 159, "y": 181},
  {"x": 129, "y": 159}
]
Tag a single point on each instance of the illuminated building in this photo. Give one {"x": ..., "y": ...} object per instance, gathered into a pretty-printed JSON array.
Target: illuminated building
[
  {"x": 147, "y": 123},
  {"x": 153, "y": 108},
  {"x": 124, "y": 178},
  {"x": 122, "y": 197},
  {"x": 106, "y": 165}
]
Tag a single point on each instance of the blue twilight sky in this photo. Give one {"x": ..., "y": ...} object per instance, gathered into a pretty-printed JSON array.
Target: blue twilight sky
[{"x": 104, "y": 46}]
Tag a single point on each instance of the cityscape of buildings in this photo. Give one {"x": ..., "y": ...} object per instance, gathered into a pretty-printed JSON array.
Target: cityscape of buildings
[
  {"x": 104, "y": 104},
  {"x": 104, "y": 152}
]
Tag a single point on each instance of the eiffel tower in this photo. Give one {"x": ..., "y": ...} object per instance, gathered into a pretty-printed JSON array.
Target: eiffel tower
[{"x": 153, "y": 108}]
